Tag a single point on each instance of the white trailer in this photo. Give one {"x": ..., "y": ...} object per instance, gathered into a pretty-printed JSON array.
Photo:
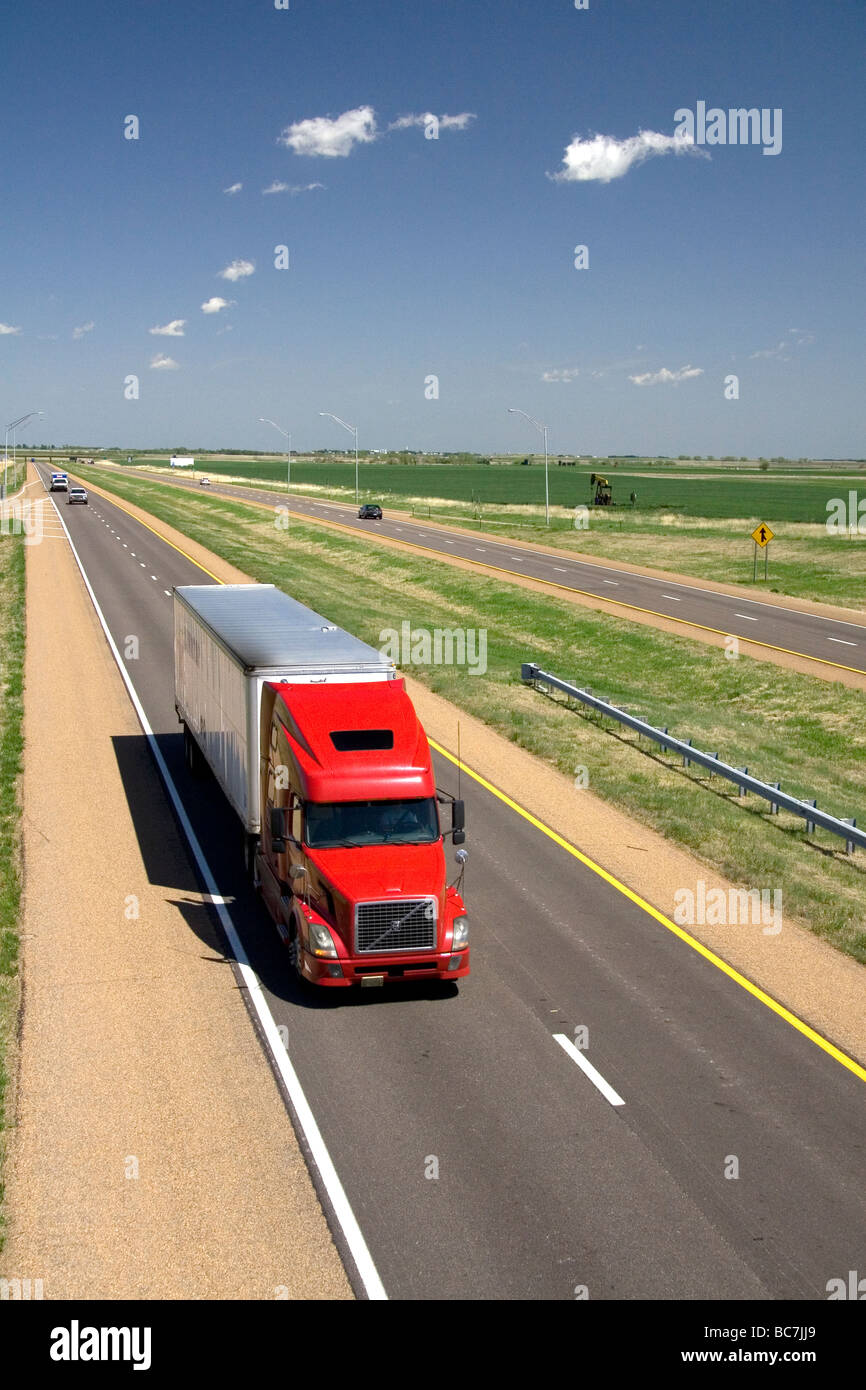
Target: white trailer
[{"x": 229, "y": 639}]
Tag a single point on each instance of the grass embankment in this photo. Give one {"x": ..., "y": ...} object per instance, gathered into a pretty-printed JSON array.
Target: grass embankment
[
  {"x": 699, "y": 525},
  {"x": 804, "y": 732},
  {"x": 11, "y": 742}
]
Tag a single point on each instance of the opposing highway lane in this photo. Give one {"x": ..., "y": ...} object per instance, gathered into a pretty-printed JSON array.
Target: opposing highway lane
[
  {"x": 704, "y": 1149},
  {"x": 832, "y": 641}
]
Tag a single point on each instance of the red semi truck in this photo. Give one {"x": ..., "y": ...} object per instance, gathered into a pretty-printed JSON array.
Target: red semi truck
[{"x": 316, "y": 744}]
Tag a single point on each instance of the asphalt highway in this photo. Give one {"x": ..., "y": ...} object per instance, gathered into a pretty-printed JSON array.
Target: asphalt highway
[
  {"x": 830, "y": 640},
  {"x": 544, "y": 1183}
]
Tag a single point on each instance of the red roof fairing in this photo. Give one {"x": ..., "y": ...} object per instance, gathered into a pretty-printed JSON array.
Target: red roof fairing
[{"x": 314, "y": 711}]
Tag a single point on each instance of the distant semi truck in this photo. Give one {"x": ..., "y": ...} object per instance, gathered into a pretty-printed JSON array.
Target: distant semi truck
[{"x": 314, "y": 741}]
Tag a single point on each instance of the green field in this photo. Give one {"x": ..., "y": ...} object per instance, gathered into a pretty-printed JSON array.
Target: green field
[
  {"x": 694, "y": 519},
  {"x": 719, "y": 492},
  {"x": 804, "y": 732},
  {"x": 11, "y": 714}
]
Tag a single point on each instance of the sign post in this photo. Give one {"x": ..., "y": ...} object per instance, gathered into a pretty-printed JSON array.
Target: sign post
[{"x": 762, "y": 535}]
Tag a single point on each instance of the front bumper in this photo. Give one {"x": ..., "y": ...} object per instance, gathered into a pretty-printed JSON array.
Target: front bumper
[{"x": 383, "y": 970}]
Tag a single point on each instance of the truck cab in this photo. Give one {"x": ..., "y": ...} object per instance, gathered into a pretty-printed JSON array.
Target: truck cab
[{"x": 350, "y": 858}]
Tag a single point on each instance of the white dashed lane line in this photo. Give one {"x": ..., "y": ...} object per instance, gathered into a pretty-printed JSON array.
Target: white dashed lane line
[
  {"x": 747, "y": 617},
  {"x": 842, "y": 642},
  {"x": 588, "y": 1069},
  {"x": 673, "y": 598},
  {"x": 613, "y": 582}
]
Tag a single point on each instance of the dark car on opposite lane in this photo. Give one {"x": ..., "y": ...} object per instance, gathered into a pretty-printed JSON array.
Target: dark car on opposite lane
[{"x": 370, "y": 512}]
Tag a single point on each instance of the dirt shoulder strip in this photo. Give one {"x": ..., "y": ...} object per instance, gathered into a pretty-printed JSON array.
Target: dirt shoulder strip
[
  {"x": 809, "y": 977},
  {"x": 152, "y": 1156}
]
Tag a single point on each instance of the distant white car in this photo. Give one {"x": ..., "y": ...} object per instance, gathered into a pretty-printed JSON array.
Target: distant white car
[{"x": 204, "y": 482}]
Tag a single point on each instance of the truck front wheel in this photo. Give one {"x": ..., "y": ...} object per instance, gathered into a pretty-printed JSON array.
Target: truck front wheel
[{"x": 295, "y": 958}]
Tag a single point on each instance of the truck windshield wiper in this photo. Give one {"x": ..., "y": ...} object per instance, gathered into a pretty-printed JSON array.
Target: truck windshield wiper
[{"x": 341, "y": 844}]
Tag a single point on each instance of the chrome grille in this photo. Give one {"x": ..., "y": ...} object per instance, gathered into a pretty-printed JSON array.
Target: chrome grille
[{"x": 401, "y": 924}]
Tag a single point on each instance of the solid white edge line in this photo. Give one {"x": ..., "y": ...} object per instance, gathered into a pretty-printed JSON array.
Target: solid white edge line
[
  {"x": 367, "y": 1271},
  {"x": 588, "y": 1069}
]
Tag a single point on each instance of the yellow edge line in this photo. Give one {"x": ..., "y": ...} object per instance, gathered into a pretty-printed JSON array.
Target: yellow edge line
[
  {"x": 571, "y": 849},
  {"x": 640, "y": 902}
]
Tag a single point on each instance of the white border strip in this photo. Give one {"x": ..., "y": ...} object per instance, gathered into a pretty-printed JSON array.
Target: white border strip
[
  {"x": 588, "y": 1069},
  {"x": 367, "y": 1271}
]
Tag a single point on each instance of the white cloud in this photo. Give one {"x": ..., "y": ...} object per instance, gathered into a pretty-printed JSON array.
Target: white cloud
[
  {"x": 170, "y": 330},
  {"x": 82, "y": 329},
  {"x": 444, "y": 122},
  {"x": 233, "y": 188},
  {"x": 162, "y": 363},
  {"x": 293, "y": 188},
  {"x": 603, "y": 157},
  {"x": 561, "y": 374},
  {"x": 331, "y": 138},
  {"x": 7, "y": 328},
  {"x": 238, "y": 270},
  {"x": 799, "y": 339},
  {"x": 664, "y": 377},
  {"x": 214, "y": 304}
]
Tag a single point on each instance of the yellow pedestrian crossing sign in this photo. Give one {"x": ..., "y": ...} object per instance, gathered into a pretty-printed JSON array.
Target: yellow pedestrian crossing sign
[{"x": 762, "y": 535}]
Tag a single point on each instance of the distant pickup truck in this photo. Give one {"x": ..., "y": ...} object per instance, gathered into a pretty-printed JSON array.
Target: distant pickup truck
[{"x": 59, "y": 482}]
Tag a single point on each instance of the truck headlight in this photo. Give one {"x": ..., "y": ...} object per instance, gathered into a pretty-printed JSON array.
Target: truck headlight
[
  {"x": 320, "y": 939},
  {"x": 460, "y": 939}
]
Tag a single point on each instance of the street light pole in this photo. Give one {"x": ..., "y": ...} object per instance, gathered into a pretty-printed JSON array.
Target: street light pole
[
  {"x": 22, "y": 420},
  {"x": 512, "y": 410},
  {"x": 353, "y": 429},
  {"x": 265, "y": 421}
]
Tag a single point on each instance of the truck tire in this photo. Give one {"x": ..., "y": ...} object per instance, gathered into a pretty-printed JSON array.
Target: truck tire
[{"x": 295, "y": 959}]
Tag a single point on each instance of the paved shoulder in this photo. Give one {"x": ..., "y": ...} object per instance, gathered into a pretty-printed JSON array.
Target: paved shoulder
[{"x": 153, "y": 1156}]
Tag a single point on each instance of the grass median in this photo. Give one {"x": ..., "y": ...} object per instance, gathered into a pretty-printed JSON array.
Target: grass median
[
  {"x": 11, "y": 742},
  {"x": 806, "y": 733}
]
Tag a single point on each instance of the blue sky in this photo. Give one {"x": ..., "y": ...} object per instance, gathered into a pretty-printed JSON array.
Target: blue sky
[{"x": 449, "y": 257}]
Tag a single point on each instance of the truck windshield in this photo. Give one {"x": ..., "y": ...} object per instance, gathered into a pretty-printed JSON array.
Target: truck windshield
[{"x": 353, "y": 824}]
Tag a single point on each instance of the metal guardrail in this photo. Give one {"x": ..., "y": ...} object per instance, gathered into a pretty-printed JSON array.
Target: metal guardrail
[{"x": 845, "y": 828}]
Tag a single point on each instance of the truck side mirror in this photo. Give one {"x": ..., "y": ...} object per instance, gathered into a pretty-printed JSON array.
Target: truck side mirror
[
  {"x": 278, "y": 829},
  {"x": 458, "y": 837}
]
